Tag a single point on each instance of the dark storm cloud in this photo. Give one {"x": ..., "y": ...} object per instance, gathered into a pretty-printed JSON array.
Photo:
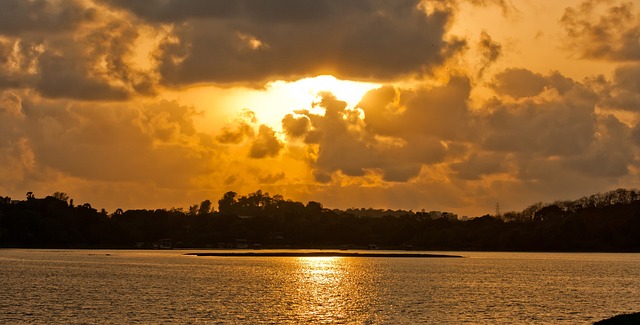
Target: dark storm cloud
[
  {"x": 42, "y": 16},
  {"x": 612, "y": 35},
  {"x": 170, "y": 11},
  {"x": 65, "y": 76},
  {"x": 85, "y": 50},
  {"x": 256, "y": 41}
]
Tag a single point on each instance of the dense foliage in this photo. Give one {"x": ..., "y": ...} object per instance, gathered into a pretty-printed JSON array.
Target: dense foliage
[{"x": 601, "y": 222}]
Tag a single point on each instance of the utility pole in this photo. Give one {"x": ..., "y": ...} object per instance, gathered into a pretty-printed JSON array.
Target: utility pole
[{"x": 498, "y": 210}]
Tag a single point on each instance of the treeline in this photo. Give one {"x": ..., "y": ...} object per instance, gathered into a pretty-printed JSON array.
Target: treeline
[{"x": 601, "y": 222}]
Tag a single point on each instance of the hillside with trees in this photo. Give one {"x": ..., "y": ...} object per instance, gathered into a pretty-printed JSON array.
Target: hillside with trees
[{"x": 602, "y": 222}]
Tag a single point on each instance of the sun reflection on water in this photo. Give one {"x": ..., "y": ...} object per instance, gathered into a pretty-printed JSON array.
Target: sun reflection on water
[
  {"x": 324, "y": 289},
  {"x": 321, "y": 270}
]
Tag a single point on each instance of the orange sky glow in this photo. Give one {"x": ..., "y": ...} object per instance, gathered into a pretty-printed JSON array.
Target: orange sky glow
[{"x": 434, "y": 104}]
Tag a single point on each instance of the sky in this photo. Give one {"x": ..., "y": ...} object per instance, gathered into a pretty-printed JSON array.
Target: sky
[{"x": 436, "y": 105}]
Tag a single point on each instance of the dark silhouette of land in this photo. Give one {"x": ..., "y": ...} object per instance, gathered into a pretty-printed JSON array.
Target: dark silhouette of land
[
  {"x": 607, "y": 222},
  {"x": 320, "y": 254},
  {"x": 623, "y": 319}
]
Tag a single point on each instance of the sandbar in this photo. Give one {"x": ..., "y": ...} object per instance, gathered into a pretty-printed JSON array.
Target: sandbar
[{"x": 323, "y": 254}]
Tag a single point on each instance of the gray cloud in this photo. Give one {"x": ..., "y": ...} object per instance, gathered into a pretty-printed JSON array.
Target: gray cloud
[
  {"x": 519, "y": 83},
  {"x": 229, "y": 135},
  {"x": 286, "y": 11},
  {"x": 480, "y": 164},
  {"x": 271, "y": 178},
  {"x": 611, "y": 35},
  {"x": 439, "y": 112},
  {"x": 544, "y": 135},
  {"x": 506, "y": 5},
  {"x": 265, "y": 144},
  {"x": 560, "y": 127},
  {"x": 489, "y": 50},
  {"x": 610, "y": 154},
  {"x": 295, "y": 126},
  {"x": 623, "y": 91},
  {"x": 241, "y": 129}
]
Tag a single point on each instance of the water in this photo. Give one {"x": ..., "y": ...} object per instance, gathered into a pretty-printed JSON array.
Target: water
[{"x": 112, "y": 286}]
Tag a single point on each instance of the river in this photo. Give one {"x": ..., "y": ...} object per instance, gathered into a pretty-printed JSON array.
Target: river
[{"x": 168, "y": 287}]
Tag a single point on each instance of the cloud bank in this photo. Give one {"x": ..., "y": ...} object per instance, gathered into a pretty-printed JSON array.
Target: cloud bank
[{"x": 84, "y": 104}]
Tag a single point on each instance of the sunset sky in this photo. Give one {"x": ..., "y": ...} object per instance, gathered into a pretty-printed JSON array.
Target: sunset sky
[{"x": 436, "y": 105}]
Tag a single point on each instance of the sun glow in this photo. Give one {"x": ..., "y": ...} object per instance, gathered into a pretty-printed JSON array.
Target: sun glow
[
  {"x": 270, "y": 104},
  {"x": 281, "y": 97},
  {"x": 307, "y": 89}
]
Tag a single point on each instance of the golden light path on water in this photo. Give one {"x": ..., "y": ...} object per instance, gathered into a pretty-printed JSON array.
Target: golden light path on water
[
  {"x": 328, "y": 289},
  {"x": 321, "y": 281}
]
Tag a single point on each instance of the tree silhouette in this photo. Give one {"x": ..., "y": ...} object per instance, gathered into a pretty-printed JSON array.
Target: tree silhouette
[
  {"x": 601, "y": 222},
  {"x": 205, "y": 207},
  {"x": 226, "y": 203}
]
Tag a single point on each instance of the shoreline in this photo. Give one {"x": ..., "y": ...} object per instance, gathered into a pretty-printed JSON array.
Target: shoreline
[{"x": 320, "y": 254}]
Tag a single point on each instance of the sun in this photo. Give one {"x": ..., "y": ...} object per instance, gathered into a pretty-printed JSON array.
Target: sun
[
  {"x": 307, "y": 89},
  {"x": 280, "y": 98}
]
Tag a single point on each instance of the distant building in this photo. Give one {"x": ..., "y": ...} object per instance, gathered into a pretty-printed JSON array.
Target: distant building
[
  {"x": 165, "y": 243},
  {"x": 241, "y": 243},
  {"x": 450, "y": 216},
  {"x": 433, "y": 215}
]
